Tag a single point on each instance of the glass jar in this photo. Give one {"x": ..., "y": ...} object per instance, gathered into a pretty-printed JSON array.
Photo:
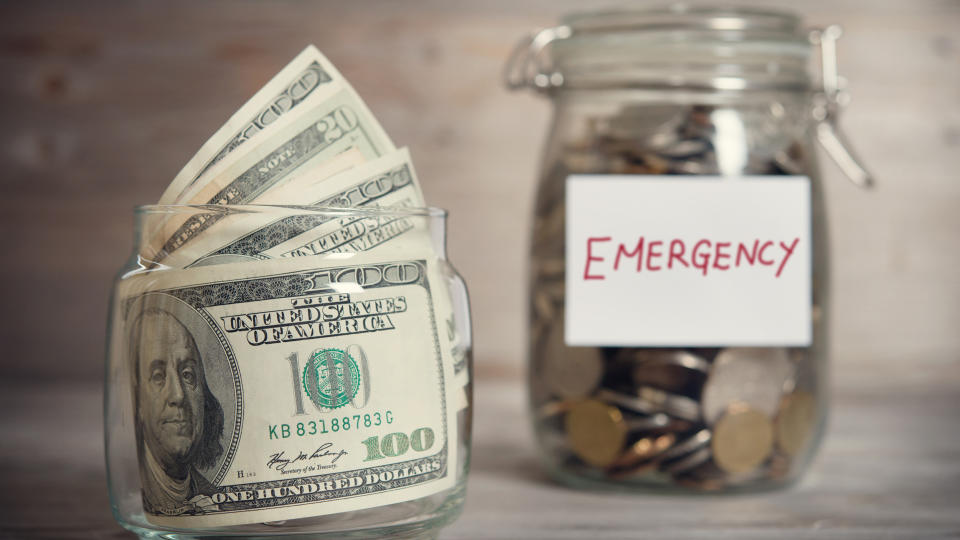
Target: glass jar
[
  {"x": 687, "y": 123},
  {"x": 262, "y": 395}
]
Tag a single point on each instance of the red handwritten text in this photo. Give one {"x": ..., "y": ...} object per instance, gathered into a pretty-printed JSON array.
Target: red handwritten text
[{"x": 703, "y": 255}]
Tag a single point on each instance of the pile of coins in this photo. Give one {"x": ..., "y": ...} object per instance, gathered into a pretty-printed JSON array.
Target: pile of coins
[
  {"x": 707, "y": 418},
  {"x": 704, "y": 418}
]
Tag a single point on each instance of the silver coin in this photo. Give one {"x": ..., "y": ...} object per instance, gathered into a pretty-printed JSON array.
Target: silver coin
[
  {"x": 677, "y": 357},
  {"x": 699, "y": 440},
  {"x": 688, "y": 462},
  {"x": 687, "y": 149},
  {"x": 649, "y": 423},
  {"x": 649, "y": 400},
  {"x": 666, "y": 369},
  {"x": 756, "y": 376},
  {"x": 672, "y": 404}
]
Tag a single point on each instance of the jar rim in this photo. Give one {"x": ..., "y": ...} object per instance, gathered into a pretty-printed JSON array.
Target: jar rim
[
  {"x": 413, "y": 211},
  {"x": 681, "y": 16}
]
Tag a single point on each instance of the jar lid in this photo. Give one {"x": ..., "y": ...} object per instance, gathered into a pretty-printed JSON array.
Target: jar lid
[
  {"x": 716, "y": 49},
  {"x": 713, "y": 48}
]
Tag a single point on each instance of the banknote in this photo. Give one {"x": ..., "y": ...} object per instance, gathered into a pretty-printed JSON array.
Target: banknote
[
  {"x": 307, "y": 138},
  {"x": 292, "y": 87},
  {"x": 286, "y": 388},
  {"x": 388, "y": 181}
]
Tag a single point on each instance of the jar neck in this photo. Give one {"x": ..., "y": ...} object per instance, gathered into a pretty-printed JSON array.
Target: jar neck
[
  {"x": 683, "y": 61},
  {"x": 716, "y": 49}
]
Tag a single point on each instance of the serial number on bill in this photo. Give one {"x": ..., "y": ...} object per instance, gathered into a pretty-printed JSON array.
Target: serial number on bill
[{"x": 330, "y": 425}]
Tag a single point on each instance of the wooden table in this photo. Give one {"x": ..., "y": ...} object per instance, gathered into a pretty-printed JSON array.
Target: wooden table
[{"x": 889, "y": 469}]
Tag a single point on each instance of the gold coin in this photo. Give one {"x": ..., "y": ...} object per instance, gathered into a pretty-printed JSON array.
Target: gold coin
[
  {"x": 798, "y": 413},
  {"x": 645, "y": 449},
  {"x": 596, "y": 432},
  {"x": 742, "y": 439}
]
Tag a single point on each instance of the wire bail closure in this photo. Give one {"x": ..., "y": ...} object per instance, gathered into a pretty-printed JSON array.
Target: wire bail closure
[
  {"x": 827, "y": 104},
  {"x": 528, "y": 67}
]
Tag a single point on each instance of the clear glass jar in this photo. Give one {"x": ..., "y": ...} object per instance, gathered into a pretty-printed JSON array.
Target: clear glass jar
[
  {"x": 327, "y": 396},
  {"x": 675, "y": 93}
]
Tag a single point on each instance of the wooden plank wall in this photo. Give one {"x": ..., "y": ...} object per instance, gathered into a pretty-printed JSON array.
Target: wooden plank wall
[{"x": 104, "y": 101}]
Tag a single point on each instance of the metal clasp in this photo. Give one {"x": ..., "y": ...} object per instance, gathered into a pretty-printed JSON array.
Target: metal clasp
[
  {"x": 827, "y": 104},
  {"x": 527, "y": 68}
]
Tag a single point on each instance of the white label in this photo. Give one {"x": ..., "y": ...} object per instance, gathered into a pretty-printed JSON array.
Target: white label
[{"x": 688, "y": 261}]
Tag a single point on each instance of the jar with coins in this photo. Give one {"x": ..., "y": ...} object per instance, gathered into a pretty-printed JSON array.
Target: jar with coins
[{"x": 678, "y": 265}]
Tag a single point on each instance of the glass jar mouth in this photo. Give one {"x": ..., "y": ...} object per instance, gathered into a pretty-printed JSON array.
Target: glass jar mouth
[
  {"x": 674, "y": 47},
  {"x": 332, "y": 211}
]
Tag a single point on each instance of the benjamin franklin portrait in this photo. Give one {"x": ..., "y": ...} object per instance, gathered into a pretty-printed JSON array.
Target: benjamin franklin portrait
[{"x": 179, "y": 421}]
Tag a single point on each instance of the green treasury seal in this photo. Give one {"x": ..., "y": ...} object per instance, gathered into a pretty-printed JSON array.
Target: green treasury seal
[{"x": 331, "y": 378}]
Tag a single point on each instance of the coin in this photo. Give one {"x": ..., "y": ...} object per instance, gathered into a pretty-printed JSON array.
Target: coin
[
  {"x": 687, "y": 149},
  {"x": 637, "y": 124},
  {"x": 644, "y": 449},
  {"x": 795, "y": 421},
  {"x": 688, "y": 462},
  {"x": 671, "y": 425},
  {"x": 755, "y": 376},
  {"x": 596, "y": 432},
  {"x": 569, "y": 372},
  {"x": 742, "y": 439},
  {"x": 641, "y": 457},
  {"x": 696, "y": 441},
  {"x": 648, "y": 400},
  {"x": 674, "y": 370},
  {"x": 672, "y": 404}
]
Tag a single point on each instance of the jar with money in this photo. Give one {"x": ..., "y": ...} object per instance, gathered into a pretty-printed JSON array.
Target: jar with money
[
  {"x": 292, "y": 370},
  {"x": 678, "y": 287}
]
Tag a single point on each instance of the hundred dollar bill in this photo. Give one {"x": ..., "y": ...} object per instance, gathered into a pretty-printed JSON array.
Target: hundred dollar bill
[
  {"x": 302, "y": 78},
  {"x": 291, "y": 388},
  {"x": 312, "y": 136},
  {"x": 388, "y": 181}
]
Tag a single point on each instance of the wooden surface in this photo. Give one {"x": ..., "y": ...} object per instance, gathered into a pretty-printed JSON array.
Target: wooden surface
[
  {"x": 103, "y": 102},
  {"x": 890, "y": 468}
]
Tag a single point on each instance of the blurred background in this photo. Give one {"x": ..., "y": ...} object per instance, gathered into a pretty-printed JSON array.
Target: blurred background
[{"x": 105, "y": 101}]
